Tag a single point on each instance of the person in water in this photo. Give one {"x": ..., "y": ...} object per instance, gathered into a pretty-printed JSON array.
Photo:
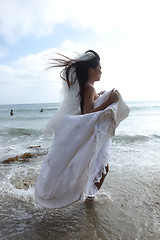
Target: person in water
[
  {"x": 77, "y": 162},
  {"x": 11, "y": 112}
]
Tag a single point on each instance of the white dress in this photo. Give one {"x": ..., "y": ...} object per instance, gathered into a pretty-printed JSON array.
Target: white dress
[{"x": 78, "y": 156}]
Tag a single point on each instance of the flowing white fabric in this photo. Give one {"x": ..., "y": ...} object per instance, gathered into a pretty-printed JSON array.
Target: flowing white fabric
[{"x": 78, "y": 156}]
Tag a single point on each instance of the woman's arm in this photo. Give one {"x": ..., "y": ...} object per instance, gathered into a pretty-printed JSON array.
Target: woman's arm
[{"x": 90, "y": 96}]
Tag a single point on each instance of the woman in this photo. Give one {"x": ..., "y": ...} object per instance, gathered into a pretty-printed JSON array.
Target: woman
[
  {"x": 77, "y": 162},
  {"x": 89, "y": 95}
]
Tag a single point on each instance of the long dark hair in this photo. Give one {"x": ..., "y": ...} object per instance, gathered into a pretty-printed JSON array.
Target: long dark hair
[{"x": 76, "y": 67}]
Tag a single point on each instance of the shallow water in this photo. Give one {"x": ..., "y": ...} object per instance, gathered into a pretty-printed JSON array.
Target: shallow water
[{"x": 128, "y": 205}]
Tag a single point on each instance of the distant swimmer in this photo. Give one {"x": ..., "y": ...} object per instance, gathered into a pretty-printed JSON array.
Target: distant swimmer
[
  {"x": 11, "y": 112},
  {"x": 41, "y": 110}
]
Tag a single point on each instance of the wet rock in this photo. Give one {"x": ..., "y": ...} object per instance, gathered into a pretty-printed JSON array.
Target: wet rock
[
  {"x": 14, "y": 159},
  {"x": 37, "y": 146},
  {"x": 9, "y": 160},
  {"x": 23, "y": 158}
]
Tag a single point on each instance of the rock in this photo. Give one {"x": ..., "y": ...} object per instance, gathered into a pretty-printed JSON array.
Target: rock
[
  {"x": 27, "y": 155},
  {"x": 38, "y": 146},
  {"x": 23, "y": 158},
  {"x": 11, "y": 160}
]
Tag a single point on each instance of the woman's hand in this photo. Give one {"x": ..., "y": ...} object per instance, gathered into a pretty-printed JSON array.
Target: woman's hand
[
  {"x": 101, "y": 93},
  {"x": 113, "y": 97}
]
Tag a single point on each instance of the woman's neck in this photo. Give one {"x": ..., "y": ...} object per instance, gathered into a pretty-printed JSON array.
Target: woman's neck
[{"x": 90, "y": 82}]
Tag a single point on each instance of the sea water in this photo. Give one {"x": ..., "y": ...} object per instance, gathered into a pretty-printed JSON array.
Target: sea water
[{"x": 128, "y": 205}]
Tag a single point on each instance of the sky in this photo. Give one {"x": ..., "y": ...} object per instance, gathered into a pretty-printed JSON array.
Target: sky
[{"x": 125, "y": 33}]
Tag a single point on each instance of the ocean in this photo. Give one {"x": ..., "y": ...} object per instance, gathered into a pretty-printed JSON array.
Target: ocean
[{"x": 128, "y": 205}]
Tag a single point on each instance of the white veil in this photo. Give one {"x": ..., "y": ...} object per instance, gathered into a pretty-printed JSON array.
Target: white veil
[{"x": 70, "y": 96}]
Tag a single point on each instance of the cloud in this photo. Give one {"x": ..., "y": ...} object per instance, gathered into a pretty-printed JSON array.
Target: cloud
[
  {"x": 129, "y": 69},
  {"x": 38, "y": 18},
  {"x": 19, "y": 19},
  {"x": 125, "y": 33},
  {"x": 26, "y": 79}
]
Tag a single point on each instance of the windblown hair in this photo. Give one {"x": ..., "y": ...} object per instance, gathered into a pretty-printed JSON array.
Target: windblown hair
[{"x": 76, "y": 69}]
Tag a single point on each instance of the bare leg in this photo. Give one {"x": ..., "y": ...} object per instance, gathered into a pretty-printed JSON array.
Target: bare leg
[{"x": 99, "y": 184}]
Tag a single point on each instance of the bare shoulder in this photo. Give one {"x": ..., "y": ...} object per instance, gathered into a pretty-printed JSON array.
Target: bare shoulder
[
  {"x": 89, "y": 98},
  {"x": 89, "y": 91}
]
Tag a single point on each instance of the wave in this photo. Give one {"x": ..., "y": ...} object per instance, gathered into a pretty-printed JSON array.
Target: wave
[
  {"x": 51, "y": 108},
  {"x": 36, "y": 110},
  {"x": 156, "y": 136},
  {"x": 126, "y": 139},
  {"x": 20, "y": 132},
  {"x": 134, "y": 138},
  {"x": 145, "y": 109}
]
